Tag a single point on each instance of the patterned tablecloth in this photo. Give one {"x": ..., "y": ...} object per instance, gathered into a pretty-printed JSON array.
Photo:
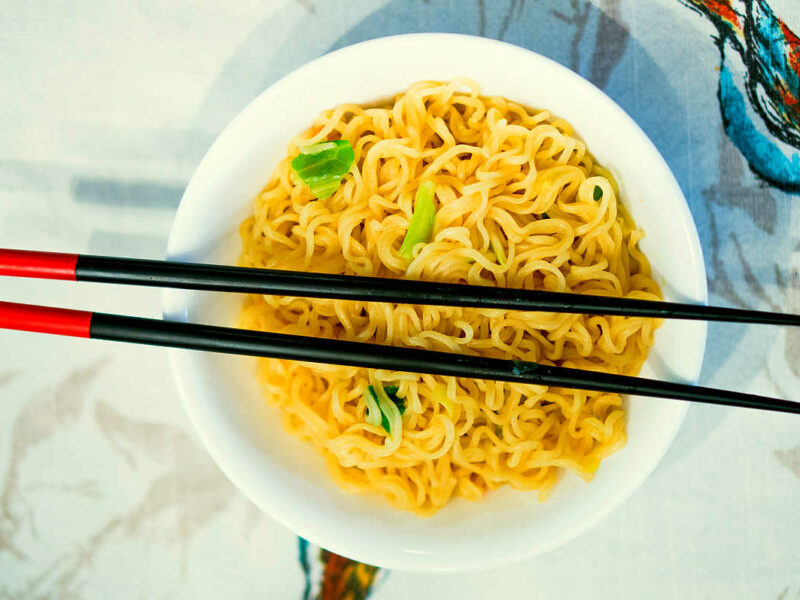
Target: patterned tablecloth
[{"x": 106, "y": 108}]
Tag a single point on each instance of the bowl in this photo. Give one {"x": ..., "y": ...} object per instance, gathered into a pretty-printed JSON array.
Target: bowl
[{"x": 286, "y": 477}]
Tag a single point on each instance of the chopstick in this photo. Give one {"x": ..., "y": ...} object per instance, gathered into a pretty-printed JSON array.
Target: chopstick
[
  {"x": 159, "y": 273},
  {"x": 227, "y": 340}
]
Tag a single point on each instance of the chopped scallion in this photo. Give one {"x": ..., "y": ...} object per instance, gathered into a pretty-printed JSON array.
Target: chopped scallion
[
  {"x": 322, "y": 166},
  {"x": 374, "y": 414},
  {"x": 603, "y": 172},
  {"x": 423, "y": 218},
  {"x": 371, "y": 396},
  {"x": 497, "y": 248}
]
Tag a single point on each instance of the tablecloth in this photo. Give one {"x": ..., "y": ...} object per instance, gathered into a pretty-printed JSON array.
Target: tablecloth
[{"x": 105, "y": 110}]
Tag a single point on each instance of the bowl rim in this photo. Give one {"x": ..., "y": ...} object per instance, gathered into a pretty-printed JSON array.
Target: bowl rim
[{"x": 371, "y": 553}]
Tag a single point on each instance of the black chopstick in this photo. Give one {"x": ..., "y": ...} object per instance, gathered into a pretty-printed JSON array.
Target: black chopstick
[
  {"x": 227, "y": 340},
  {"x": 172, "y": 274}
]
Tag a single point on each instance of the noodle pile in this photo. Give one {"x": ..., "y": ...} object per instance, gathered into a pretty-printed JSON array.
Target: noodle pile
[{"x": 520, "y": 203}]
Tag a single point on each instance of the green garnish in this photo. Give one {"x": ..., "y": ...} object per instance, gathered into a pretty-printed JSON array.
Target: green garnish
[
  {"x": 603, "y": 172},
  {"x": 391, "y": 392},
  {"x": 497, "y": 248},
  {"x": 320, "y": 147},
  {"x": 374, "y": 414},
  {"x": 420, "y": 228},
  {"x": 544, "y": 216},
  {"x": 321, "y": 166},
  {"x": 598, "y": 193}
]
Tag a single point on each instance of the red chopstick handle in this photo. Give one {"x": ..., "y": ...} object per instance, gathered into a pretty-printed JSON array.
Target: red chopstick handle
[
  {"x": 44, "y": 319},
  {"x": 43, "y": 265}
]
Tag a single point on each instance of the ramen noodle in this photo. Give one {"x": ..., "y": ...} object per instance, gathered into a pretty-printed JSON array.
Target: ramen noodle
[{"x": 516, "y": 201}]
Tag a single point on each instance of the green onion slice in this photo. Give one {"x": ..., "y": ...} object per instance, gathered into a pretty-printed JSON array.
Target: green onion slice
[
  {"x": 423, "y": 218},
  {"x": 322, "y": 166}
]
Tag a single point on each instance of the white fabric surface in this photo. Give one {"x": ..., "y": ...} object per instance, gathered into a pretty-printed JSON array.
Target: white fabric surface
[{"x": 105, "y": 491}]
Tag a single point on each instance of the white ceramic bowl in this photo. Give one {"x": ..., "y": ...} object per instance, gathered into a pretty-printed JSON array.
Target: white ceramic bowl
[{"x": 286, "y": 477}]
